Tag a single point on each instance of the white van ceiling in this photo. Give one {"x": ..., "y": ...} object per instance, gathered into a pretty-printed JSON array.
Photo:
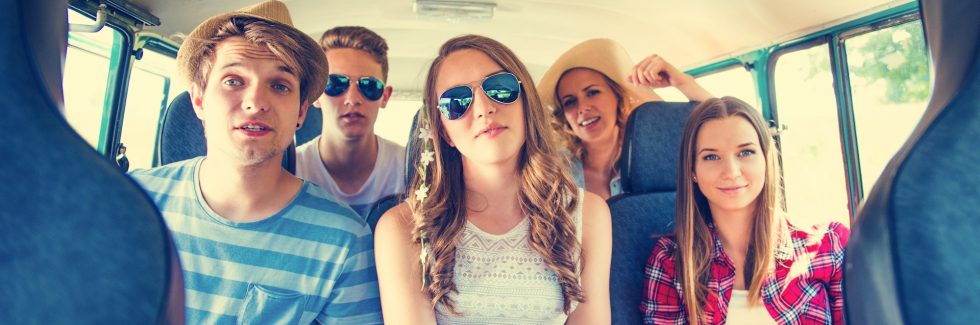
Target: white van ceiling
[{"x": 686, "y": 33}]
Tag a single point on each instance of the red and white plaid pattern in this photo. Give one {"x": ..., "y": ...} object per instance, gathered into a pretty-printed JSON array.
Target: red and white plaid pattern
[{"x": 804, "y": 287}]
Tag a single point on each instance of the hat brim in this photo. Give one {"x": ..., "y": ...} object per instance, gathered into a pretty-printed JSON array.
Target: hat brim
[{"x": 601, "y": 55}]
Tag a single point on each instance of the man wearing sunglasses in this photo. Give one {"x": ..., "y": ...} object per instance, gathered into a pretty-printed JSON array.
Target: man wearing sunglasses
[{"x": 348, "y": 159}]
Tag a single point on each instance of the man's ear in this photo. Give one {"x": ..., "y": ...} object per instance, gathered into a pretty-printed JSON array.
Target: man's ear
[
  {"x": 197, "y": 99},
  {"x": 303, "y": 109},
  {"x": 386, "y": 96}
]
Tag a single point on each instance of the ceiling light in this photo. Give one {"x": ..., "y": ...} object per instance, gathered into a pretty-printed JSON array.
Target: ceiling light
[{"x": 454, "y": 11}]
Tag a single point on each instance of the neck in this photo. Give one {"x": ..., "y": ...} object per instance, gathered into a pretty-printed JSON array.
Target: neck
[
  {"x": 599, "y": 155},
  {"x": 350, "y": 155},
  {"x": 492, "y": 189},
  {"x": 734, "y": 228},
  {"x": 245, "y": 192}
]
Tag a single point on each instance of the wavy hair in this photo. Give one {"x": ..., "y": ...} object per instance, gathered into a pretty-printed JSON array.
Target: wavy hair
[
  {"x": 693, "y": 217},
  {"x": 547, "y": 194}
]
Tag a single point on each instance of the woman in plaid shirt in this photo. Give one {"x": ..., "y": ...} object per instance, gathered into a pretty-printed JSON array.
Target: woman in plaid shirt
[{"x": 735, "y": 258}]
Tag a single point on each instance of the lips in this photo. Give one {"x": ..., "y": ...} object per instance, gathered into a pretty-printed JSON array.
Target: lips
[
  {"x": 492, "y": 130},
  {"x": 590, "y": 121},
  {"x": 732, "y": 189},
  {"x": 254, "y": 128},
  {"x": 352, "y": 116}
]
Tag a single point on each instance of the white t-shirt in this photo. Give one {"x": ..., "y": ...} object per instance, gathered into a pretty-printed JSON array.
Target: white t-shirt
[
  {"x": 739, "y": 312},
  {"x": 388, "y": 176}
]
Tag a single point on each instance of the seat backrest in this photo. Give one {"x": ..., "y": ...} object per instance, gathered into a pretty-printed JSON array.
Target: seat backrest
[
  {"x": 180, "y": 135},
  {"x": 913, "y": 253},
  {"x": 80, "y": 243},
  {"x": 648, "y": 172}
]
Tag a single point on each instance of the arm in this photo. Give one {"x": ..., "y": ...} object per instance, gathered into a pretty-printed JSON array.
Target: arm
[
  {"x": 596, "y": 257},
  {"x": 661, "y": 302},
  {"x": 834, "y": 242},
  {"x": 656, "y": 72},
  {"x": 399, "y": 271}
]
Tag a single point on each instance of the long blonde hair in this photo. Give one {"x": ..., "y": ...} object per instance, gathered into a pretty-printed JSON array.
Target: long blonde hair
[
  {"x": 547, "y": 194},
  {"x": 695, "y": 244}
]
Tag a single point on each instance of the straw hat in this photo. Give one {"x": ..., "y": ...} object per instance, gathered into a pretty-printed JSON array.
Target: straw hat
[
  {"x": 600, "y": 54},
  {"x": 273, "y": 11}
]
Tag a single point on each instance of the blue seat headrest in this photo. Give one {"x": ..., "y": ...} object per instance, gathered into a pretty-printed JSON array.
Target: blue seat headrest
[{"x": 648, "y": 162}]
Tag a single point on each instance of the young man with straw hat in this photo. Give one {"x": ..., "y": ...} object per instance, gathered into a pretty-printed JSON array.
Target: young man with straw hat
[{"x": 258, "y": 245}]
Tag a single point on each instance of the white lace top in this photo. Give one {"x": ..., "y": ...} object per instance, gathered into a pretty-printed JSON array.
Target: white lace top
[{"x": 502, "y": 280}]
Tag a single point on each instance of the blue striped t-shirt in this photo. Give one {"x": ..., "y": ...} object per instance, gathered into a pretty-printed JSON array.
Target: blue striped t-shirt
[{"x": 313, "y": 260}]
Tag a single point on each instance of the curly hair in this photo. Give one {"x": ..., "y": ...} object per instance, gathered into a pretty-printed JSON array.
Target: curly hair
[{"x": 547, "y": 194}]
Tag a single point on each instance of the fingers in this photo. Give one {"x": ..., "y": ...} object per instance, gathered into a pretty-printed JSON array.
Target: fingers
[{"x": 651, "y": 72}]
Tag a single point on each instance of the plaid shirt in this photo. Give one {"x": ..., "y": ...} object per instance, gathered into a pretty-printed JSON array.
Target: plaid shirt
[{"x": 805, "y": 287}]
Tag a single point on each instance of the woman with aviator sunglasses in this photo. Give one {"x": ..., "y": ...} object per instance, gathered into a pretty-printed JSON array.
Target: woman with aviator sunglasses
[{"x": 493, "y": 232}]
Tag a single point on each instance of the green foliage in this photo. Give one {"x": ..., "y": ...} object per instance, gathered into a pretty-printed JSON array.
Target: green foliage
[{"x": 895, "y": 56}]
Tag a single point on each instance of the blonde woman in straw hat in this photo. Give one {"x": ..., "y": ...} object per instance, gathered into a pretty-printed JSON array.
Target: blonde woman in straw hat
[
  {"x": 258, "y": 245},
  {"x": 590, "y": 91},
  {"x": 494, "y": 231}
]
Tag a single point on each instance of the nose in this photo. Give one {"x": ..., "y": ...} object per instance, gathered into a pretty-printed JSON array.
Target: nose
[
  {"x": 255, "y": 99},
  {"x": 731, "y": 168},
  {"x": 352, "y": 97},
  {"x": 482, "y": 105}
]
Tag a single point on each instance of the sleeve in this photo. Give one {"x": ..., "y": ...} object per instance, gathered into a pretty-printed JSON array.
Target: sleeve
[
  {"x": 661, "y": 302},
  {"x": 355, "y": 298},
  {"x": 834, "y": 242}
]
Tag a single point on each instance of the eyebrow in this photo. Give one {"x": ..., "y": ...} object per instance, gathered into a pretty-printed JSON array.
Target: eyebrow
[
  {"x": 713, "y": 149},
  {"x": 238, "y": 63},
  {"x": 583, "y": 88}
]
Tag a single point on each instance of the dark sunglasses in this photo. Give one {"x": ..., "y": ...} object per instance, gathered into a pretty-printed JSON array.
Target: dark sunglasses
[
  {"x": 372, "y": 88},
  {"x": 503, "y": 88}
]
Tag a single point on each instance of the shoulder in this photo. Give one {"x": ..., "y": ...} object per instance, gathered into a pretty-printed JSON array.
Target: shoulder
[
  {"x": 166, "y": 176},
  {"x": 308, "y": 147},
  {"x": 595, "y": 213},
  {"x": 395, "y": 223},
  {"x": 390, "y": 145},
  {"x": 663, "y": 253},
  {"x": 317, "y": 207}
]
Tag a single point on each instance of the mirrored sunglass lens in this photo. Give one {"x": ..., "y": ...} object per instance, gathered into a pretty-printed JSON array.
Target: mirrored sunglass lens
[
  {"x": 503, "y": 88},
  {"x": 371, "y": 88},
  {"x": 454, "y": 102},
  {"x": 336, "y": 85}
]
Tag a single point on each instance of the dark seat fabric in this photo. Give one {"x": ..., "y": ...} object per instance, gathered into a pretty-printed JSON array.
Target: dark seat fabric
[
  {"x": 180, "y": 135},
  {"x": 645, "y": 211},
  {"x": 914, "y": 251},
  {"x": 80, "y": 243}
]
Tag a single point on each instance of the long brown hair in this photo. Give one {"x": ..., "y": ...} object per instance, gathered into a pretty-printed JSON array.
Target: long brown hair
[
  {"x": 571, "y": 141},
  {"x": 547, "y": 194},
  {"x": 695, "y": 243}
]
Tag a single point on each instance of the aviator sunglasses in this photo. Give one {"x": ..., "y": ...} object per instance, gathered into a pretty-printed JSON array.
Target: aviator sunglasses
[
  {"x": 503, "y": 88},
  {"x": 372, "y": 88}
]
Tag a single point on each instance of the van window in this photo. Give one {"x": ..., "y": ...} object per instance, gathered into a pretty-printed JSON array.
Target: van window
[
  {"x": 733, "y": 81},
  {"x": 812, "y": 161},
  {"x": 151, "y": 87},
  {"x": 889, "y": 76},
  {"x": 86, "y": 76}
]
